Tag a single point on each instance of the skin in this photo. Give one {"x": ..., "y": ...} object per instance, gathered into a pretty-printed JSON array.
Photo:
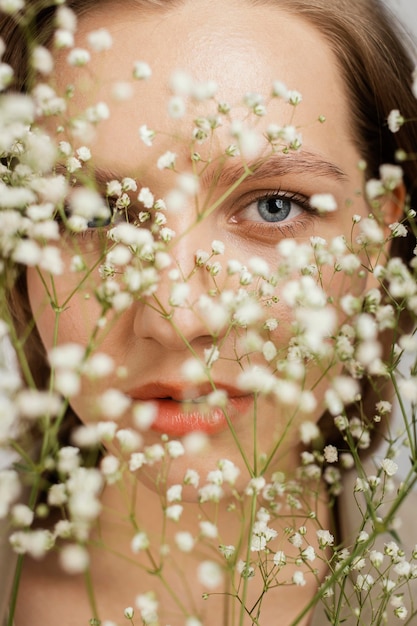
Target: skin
[{"x": 242, "y": 50}]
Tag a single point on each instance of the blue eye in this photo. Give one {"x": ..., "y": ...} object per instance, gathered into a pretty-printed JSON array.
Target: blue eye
[{"x": 275, "y": 209}]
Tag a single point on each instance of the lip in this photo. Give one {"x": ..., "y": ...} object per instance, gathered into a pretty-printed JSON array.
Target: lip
[{"x": 179, "y": 412}]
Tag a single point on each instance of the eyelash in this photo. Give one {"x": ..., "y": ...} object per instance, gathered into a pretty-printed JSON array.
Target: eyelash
[{"x": 92, "y": 231}]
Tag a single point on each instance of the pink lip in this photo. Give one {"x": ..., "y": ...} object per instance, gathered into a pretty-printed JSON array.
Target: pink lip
[{"x": 176, "y": 418}]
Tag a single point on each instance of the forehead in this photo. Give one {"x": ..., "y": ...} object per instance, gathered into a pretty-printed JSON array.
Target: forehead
[{"x": 241, "y": 46}]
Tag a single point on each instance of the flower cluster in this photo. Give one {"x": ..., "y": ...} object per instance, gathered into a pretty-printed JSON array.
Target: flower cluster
[{"x": 292, "y": 340}]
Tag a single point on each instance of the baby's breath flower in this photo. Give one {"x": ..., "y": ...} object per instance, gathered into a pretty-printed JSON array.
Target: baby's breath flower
[
  {"x": 42, "y": 60},
  {"x": 184, "y": 541},
  {"x": 141, "y": 70},
  {"x": 324, "y": 202},
  {"x": 325, "y": 538},
  {"x": 11, "y": 6},
  {"x": 148, "y": 607},
  {"x": 330, "y": 454},
  {"x": 129, "y": 612},
  {"x": 78, "y": 57},
  {"x": 173, "y": 512},
  {"x": 309, "y": 432},
  {"x": 208, "y": 529},
  {"x": 100, "y": 40},
  {"x": 210, "y": 574},
  {"x": 389, "y": 467},
  {"x": 192, "y": 478},
  {"x": 176, "y": 107},
  {"x": 166, "y": 161},
  {"x": 113, "y": 403},
  {"x": 395, "y": 120},
  {"x": 74, "y": 559},
  {"x": 22, "y": 515},
  {"x": 299, "y": 579},
  {"x": 174, "y": 493},
  {"x": 140, "y": 542},
  {"x": 364, "y": 582}
]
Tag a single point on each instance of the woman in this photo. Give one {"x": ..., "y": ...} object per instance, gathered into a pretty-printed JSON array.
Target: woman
[{"x": 209, "y": 323}]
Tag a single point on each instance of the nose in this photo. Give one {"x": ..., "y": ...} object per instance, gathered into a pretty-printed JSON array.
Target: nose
[{"x": 172, "y": 316}]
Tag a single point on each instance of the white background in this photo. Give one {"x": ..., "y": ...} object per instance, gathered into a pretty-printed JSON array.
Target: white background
[{"x": 406, "y": 11}]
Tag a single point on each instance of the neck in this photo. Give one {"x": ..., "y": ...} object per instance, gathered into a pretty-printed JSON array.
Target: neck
[{"x": 164, "y": 566}]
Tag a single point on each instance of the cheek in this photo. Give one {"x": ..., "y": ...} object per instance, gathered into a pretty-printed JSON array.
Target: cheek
[{"x": 60, "y": 319}]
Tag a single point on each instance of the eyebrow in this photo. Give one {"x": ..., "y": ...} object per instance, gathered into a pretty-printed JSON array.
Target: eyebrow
[
  {"x": 275, "y": 165},
  {"x": 227, "y": 173}
]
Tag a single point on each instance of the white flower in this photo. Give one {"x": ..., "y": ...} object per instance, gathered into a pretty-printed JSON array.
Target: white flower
[
  {"x": 217, "y": 247},
  {"x": 325, "y": 538},
  {"x": 33, "y": 403},
  {"x": 146, "y": 134},
  {"x": 194, "y": 371},
  {"x": 323, "y": 202},
  {"x": 146, "y": 197},
  {"x": 179, "y": 294},
  {"x": 68, "y": 459},
  {"x": 374, "y": 189},
  {"x": 279, "y": 90},
  {"x": 154, "y": 453},
  {"x": 173, "y": 512},
  {"x": 141, "y": 70},
  {"x": 176, "y": 107},
  {"x": 389, "y": 467},
  {"x": 129, "y": 439},
  {"x": 308, "y": 553},
  {"x": 129, "y": 612},
  {"x": 136, "y": 461},
  {"x": 113, "y": 403},
  {"x": 22, "y": 515},
  {"x": 140, "y": 542},
  {"x": 27, "y": 252},
  {"x": 175, "y": 449},
  {"x": 298, "y": 579},
  {"x": 395, "y": 120},
  {"x": 144, "y": 415},
  {"x": 78, "y": 57},
  {"x": 330, "y": 454},
  {"x": 63, "y": 38},
  {"x": 88, "y": 204},
  {"x": 191, "y": 477},
  {"x": 42, "y": 60},
  {"x": 181, "y": 83},
  {"x": 166, "y": 160},
  {"x": 74, "y": 559},
  {"x": 148, "y": 607},
  {"x": 401, "y": 611},
  {"x": 100, "y": 40},
  {"x": 36, "y": 542},
  {"x": 309, "y": 431},
  {"x": 11, "y": 6},
  {"x": 210, "y": 574},
  {"x": 208, "y": 530},
  {"x": 184, "y": 541},
  {"x": 193, "y": 621},
  {"x": 364, "y": 582},
  {"x": 174, "y": 493},
  {"x": 84, "y": 153},
  {"x": 6, "y": 76},
  {"x": 391, "y": 176},
  {"x": 57, "y": 495},
  {"x": 249, "y": 140},
  {"x": 255, "y": 485},
  {"x": 280, "y": 558},
  {"x": 66, "y": 18},
  {"x": 408, "y": 388}
]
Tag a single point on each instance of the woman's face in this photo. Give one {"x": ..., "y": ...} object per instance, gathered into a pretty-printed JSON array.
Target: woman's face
[{"x": 243, "y": 48}]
